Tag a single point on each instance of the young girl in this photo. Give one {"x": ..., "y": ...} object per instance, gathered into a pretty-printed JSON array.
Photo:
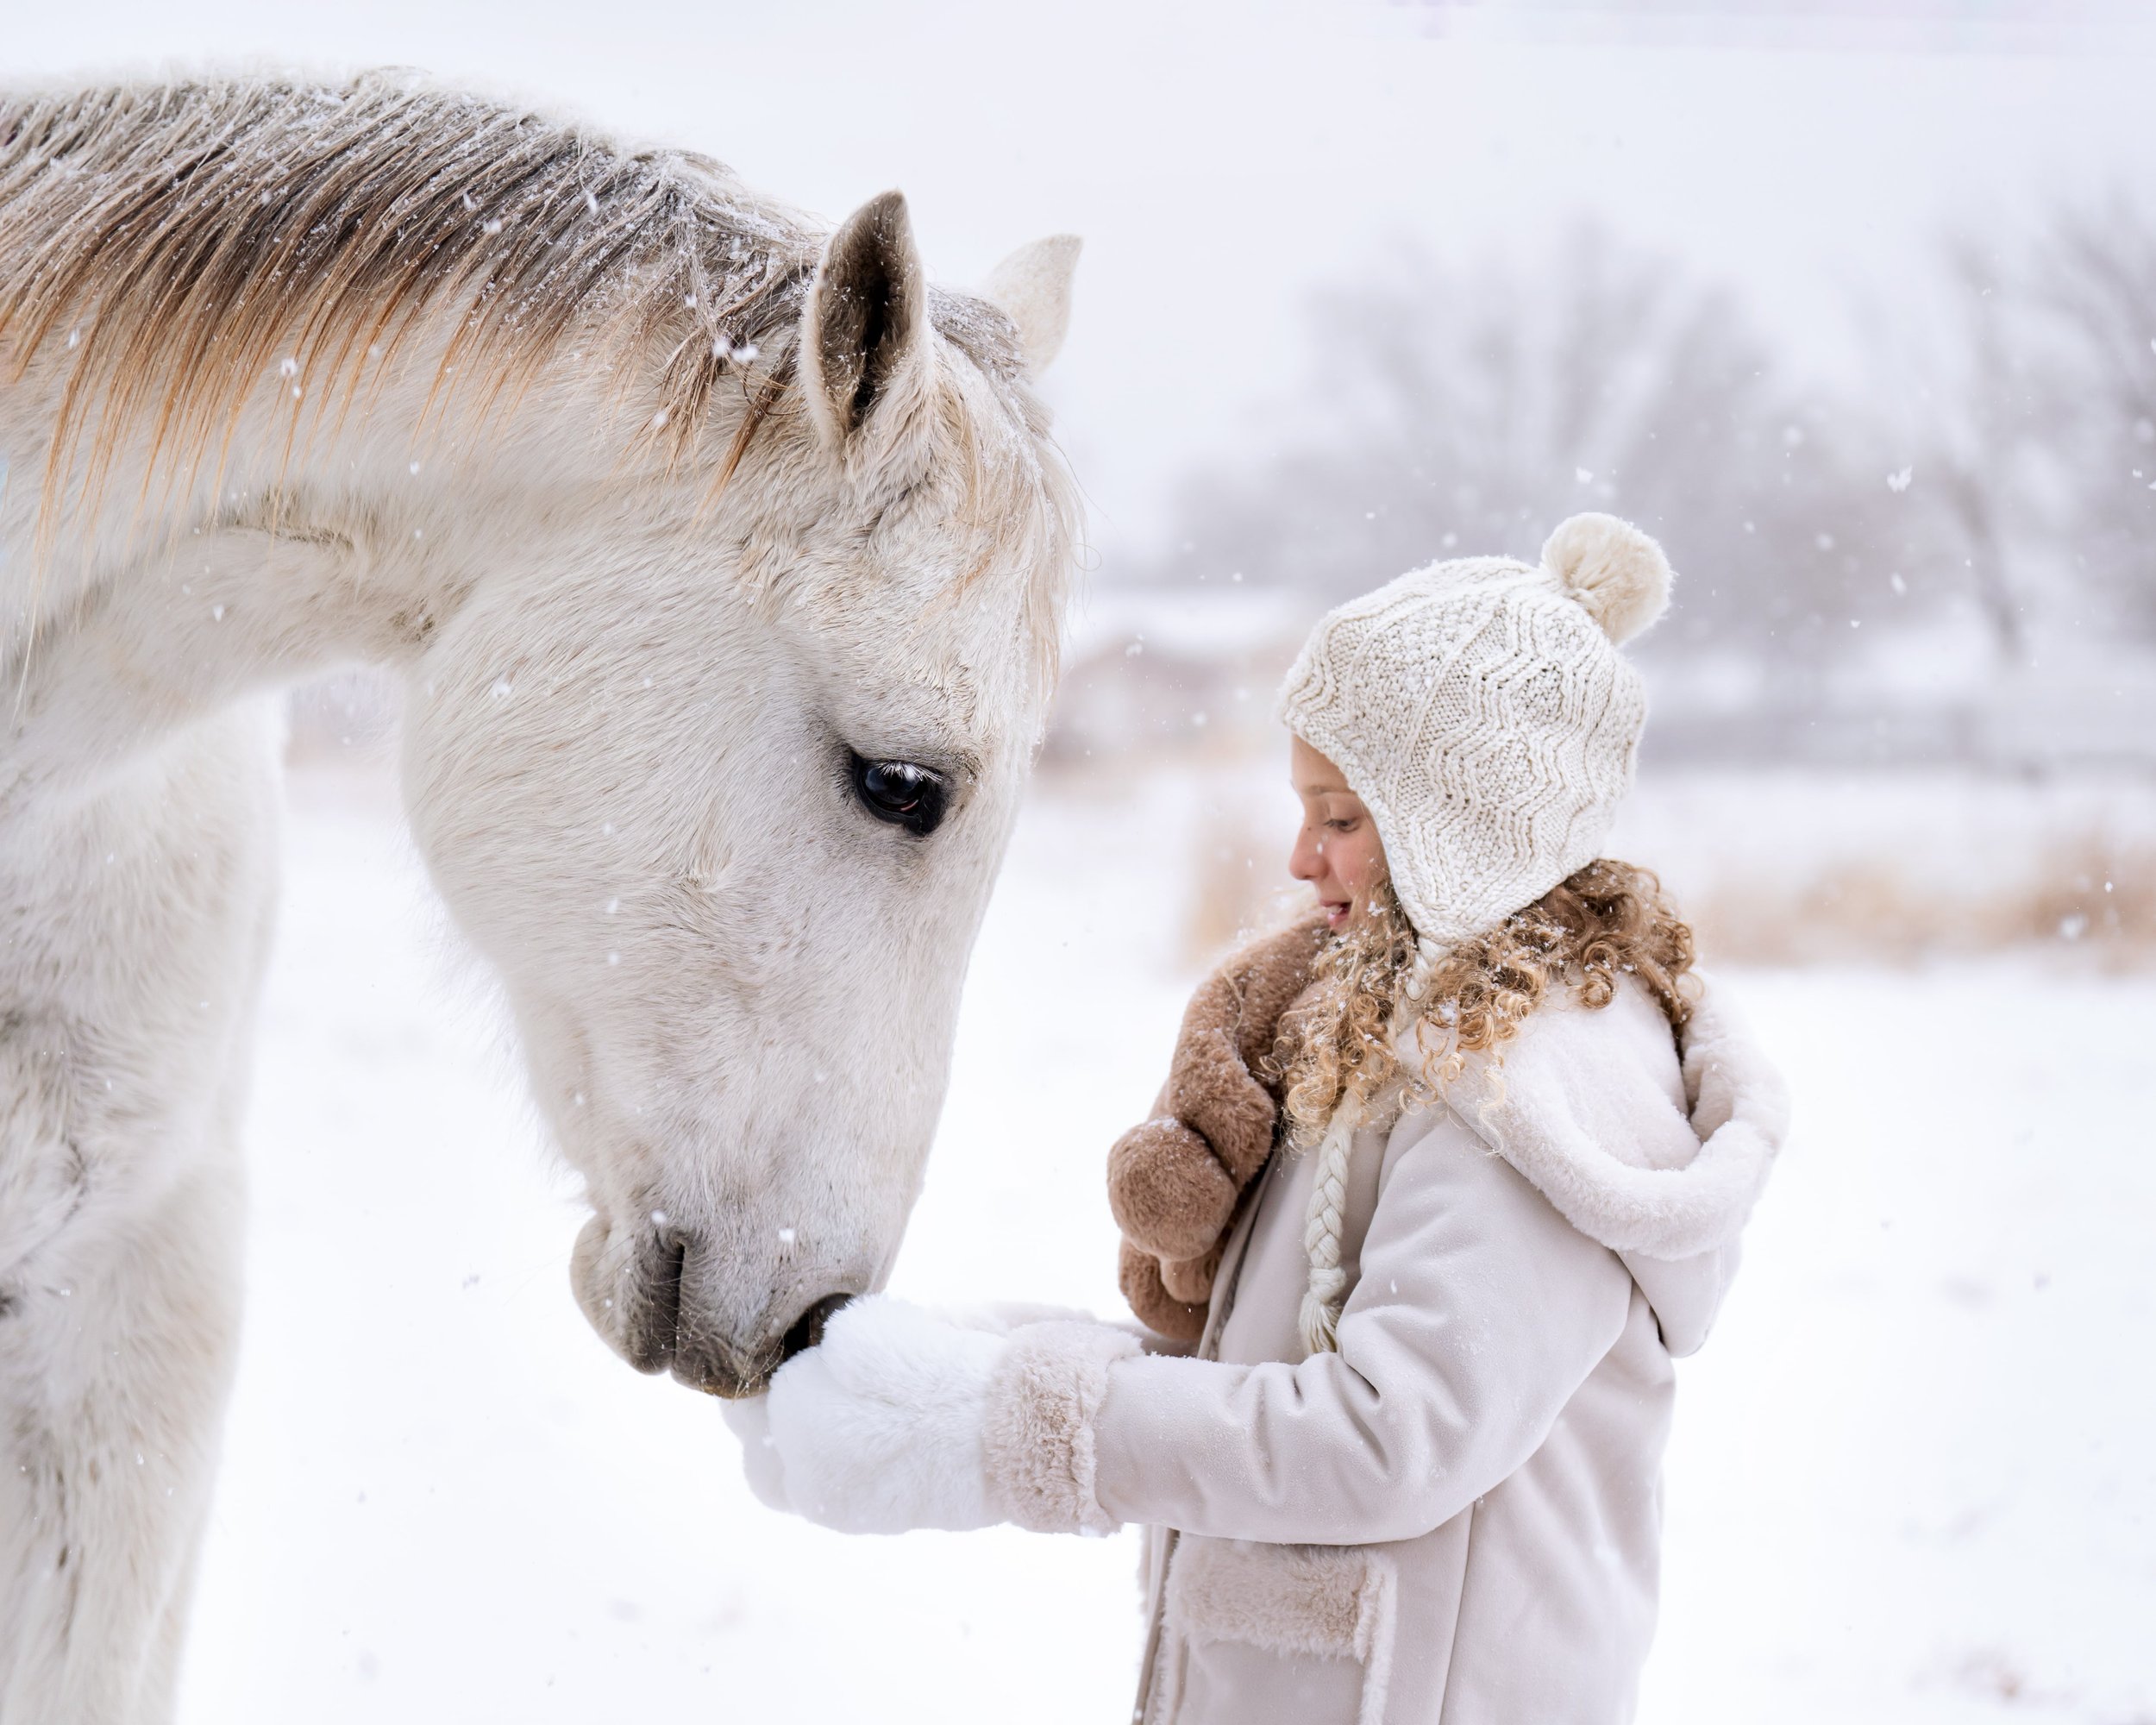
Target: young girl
[{"x": 1415, "y": 1252}]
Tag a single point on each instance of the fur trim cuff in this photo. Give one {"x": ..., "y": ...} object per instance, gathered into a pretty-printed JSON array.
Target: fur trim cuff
[{"x": 1037, "y": 1438}]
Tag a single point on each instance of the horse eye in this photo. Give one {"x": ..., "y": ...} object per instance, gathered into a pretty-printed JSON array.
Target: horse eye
[{"x": 899, "y": 792}]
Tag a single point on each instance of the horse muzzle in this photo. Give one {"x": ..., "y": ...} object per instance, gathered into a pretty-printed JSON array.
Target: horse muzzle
[{"x": 655, "y": 1298}]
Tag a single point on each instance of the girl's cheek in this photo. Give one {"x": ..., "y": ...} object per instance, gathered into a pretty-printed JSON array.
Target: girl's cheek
[{"x": 1368, "y": 867}]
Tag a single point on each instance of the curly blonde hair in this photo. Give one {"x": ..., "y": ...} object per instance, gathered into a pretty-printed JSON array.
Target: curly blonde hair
[{"x": 1606, "y": 920}]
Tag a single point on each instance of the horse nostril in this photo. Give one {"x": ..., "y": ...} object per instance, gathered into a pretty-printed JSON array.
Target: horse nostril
[
  {"x": 650, "y": 1320},
  {"x": 808, "y": 1328}
]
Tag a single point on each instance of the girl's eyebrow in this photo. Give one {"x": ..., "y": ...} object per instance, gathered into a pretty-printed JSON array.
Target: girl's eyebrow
[{"x": 1322, "y": 791}]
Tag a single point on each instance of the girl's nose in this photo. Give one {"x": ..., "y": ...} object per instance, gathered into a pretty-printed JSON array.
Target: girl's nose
[{"x": 1307, "y": 861}]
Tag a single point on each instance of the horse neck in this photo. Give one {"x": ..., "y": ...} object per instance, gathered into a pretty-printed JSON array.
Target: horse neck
[{"x": 146, "y": 617}]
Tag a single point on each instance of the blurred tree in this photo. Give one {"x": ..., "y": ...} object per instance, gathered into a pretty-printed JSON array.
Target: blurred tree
[
  {"x": 1464, "y": 411},
  {"x": 1997, "y": 461},
  {"x": 1980, "y": 430},
  {"x": 2035, "y": 417},
  {"x": 2092, "y": 290}
]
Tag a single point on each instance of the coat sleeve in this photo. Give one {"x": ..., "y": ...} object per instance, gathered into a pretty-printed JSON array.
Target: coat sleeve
[{"x": 1478, "y": 1312}]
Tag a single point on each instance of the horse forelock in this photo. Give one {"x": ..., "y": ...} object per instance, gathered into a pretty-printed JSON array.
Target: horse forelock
[{"x": 176, "y": 244}]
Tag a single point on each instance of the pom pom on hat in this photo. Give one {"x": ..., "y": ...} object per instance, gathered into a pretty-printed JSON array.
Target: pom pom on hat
[{"x": 1618, "y": 573}]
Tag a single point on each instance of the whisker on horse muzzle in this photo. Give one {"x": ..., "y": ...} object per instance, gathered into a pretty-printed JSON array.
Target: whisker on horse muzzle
[
  {"x": 651, "y": 1323},
  {"x": 725, "y": 1366}
]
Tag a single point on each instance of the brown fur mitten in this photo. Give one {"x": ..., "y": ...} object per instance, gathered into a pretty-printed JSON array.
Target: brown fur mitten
[
  {"x": 1191, "y": 1278},
  {"x": 1138, "y": 1275},
  {"x": 1170, "y": 1194},
  {"x": 1173, "y": 1181}
]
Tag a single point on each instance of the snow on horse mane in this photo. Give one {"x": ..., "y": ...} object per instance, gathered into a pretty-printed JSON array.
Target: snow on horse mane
[{"x": 722, "y": 560}]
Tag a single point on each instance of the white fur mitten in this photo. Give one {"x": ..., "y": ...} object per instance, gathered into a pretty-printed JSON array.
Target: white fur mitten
[
  {"x": 878, "y": 1428},
  {"x": 901, "y": 1419}
]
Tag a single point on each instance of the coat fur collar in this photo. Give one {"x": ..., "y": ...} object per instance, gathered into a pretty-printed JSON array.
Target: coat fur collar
[{"x": 1644, "y": 1155}]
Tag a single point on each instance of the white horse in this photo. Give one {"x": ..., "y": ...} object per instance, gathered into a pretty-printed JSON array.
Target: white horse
[{"x": 723, "y": 563}]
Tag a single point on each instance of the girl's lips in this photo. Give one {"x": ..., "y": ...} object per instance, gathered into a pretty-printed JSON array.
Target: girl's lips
[{"x": 1336, "y": 916}]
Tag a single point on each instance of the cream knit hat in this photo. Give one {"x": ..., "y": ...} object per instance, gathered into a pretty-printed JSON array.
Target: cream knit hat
[{"x": 1481, "y": 711}]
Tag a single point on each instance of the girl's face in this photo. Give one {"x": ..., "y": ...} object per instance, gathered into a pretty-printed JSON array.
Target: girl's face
[{"x": 1337, "y": 849}]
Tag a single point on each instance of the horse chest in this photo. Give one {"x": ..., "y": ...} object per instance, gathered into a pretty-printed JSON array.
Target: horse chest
[{"x": 132, "y": 931}]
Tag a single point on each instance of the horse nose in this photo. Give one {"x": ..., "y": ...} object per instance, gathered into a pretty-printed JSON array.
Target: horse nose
[
  {"x": 732, "y": 1367},
  {"x": 672, "y": 1299},
  {"x": 721, "y": 1361}
]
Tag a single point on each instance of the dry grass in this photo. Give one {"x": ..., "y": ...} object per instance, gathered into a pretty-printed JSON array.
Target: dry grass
[{"x": 2089, "y": 896}]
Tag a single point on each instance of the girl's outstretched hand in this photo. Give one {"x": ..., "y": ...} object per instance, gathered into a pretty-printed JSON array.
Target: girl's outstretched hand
[
  {"x": 900, "y": 1418},
  {"x": 878, "y": 1428}
]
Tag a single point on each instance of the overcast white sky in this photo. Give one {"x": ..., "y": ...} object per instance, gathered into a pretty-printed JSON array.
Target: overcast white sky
[{"x": 1220, "y": 156}]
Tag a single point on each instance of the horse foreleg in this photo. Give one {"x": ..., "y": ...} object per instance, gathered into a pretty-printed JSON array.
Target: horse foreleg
[{"x": 115, "y": 1356}]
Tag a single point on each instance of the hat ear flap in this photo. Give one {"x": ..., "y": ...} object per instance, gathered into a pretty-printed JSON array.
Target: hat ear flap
[{"x": 1617, "y": 572}]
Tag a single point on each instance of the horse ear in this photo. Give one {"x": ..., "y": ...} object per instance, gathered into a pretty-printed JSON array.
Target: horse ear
[
  {"x": 868, "y": 312},
  {"x": 1033, "y": 287}
]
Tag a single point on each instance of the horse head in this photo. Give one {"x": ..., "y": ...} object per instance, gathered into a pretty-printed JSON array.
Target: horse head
[{"x": 721, "y": 792}]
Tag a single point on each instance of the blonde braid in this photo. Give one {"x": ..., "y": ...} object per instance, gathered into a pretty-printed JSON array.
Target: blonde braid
[{"x": 1321, "y": 1230}]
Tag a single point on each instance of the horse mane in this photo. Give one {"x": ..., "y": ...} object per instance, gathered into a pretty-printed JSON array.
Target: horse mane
[{"x": 193, "y": 238}]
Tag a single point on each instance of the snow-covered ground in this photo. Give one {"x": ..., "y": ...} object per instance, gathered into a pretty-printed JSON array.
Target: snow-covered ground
[{"x": 1912, "y": 1481}]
